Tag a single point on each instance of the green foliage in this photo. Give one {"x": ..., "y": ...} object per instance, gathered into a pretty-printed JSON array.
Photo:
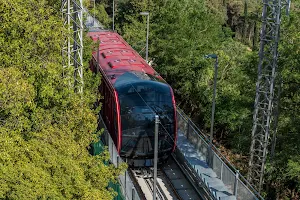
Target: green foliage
[
  {"x": 294, "y": 170},
  {"x": 182, "y": 32},
  {"x": 45, "y": 129},
  {"x": 234, "y": 107},
  {"x": 131, "y": 24},
  {"x": 99, "y": 11},
  {"x": 101, "y": 14}
]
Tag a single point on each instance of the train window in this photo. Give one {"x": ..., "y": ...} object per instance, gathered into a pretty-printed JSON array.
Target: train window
[{"x": 139, "y": 104}]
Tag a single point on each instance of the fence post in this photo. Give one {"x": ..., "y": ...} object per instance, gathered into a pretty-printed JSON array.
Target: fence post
[
  {"x": 133, "y": 193},
  {"x": 188, "y": 129},
  {"x": 208, "y": 156},
  {"x": 125, "y": 183},
  {"x": 112, "y": 152},
  {"x": 118, "y": 157},
  {"x": 155, "y": 155},
  {"x": 236, "y": 183},
  {"x": 222, "y": 171}
]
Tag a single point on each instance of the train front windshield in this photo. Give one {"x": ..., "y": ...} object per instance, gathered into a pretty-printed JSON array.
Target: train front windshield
[{"x": 139, "y": 103}]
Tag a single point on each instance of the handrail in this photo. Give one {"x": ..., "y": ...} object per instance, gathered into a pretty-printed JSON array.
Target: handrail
[{"x": 219, "y": 155}]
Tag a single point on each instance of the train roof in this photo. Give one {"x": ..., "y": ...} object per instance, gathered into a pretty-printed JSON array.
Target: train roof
[{"x": 117, "y": 57}]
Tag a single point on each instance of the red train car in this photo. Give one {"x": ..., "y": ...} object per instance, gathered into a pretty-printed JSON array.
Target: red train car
[{"x": 133, "y": 94}]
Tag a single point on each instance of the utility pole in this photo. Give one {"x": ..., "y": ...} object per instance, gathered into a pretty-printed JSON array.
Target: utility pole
[
  {"x": 72, "y": 52},
  {"x": 113, "y": 18},
  {"x": 147, "y": 37},
  {"x": 155, "y": 155},
  {"x": 265, "y": 86},
  {"x": 211, "y": 138},
  {"x": 94, "y": 13}
]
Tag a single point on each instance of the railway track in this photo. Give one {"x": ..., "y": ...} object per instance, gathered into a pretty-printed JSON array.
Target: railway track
[
  {"x": 160, "y": 191},
  {"x": 164, "y": 189},
  {"x": 171, "y": 183}
]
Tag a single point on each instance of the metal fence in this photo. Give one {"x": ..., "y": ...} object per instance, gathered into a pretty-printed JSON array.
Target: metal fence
[
  {"x": 232, "y": 179},
  {"x": 127, "y": 186}
]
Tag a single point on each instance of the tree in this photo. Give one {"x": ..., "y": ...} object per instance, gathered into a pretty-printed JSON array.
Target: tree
[
  {"x": 182, "y": 32},
  {"x": 131, "y": 25},
  {"x": 45, "y": 129}
]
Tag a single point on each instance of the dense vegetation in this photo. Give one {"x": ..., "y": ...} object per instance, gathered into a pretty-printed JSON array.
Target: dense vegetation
[
  {"x": 45, "y": 128},
  {"x": 182, "y": 32}
]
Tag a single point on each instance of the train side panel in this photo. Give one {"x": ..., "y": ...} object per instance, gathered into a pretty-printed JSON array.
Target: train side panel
[{"x": 110, "y": 107}]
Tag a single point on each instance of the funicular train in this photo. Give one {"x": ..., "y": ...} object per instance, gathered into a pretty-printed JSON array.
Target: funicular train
[{"x": 133, "y": 94}]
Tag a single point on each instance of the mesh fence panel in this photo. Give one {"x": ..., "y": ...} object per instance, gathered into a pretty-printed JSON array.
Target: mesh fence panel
[
  {"x": 181, "y": 124},
  {"x": 123, "y": 186},
  {"x": 135, "y": 195},
  {"x": 122, "y": 182},
  {"x": 114, "y": 157},
  {"x": 204, "y": 148},
  {"x": 198, "y": 142},
  {"x": 243, "y": 192},
  {"x": 186, "y": 127},
  {"x": 223, "y": 171},
  {"x": 217, "y": 166},
  {"x": 129, "y": 186},
  {"x": 110, "y": 146},
  {"x": 192, "y": 135},
  {"x": 228, "y": 178}
]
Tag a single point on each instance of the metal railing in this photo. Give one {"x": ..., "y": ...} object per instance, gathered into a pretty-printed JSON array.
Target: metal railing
[
  {"x": 127, "y": 186},
  {"x": 225, "y": 171}
]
